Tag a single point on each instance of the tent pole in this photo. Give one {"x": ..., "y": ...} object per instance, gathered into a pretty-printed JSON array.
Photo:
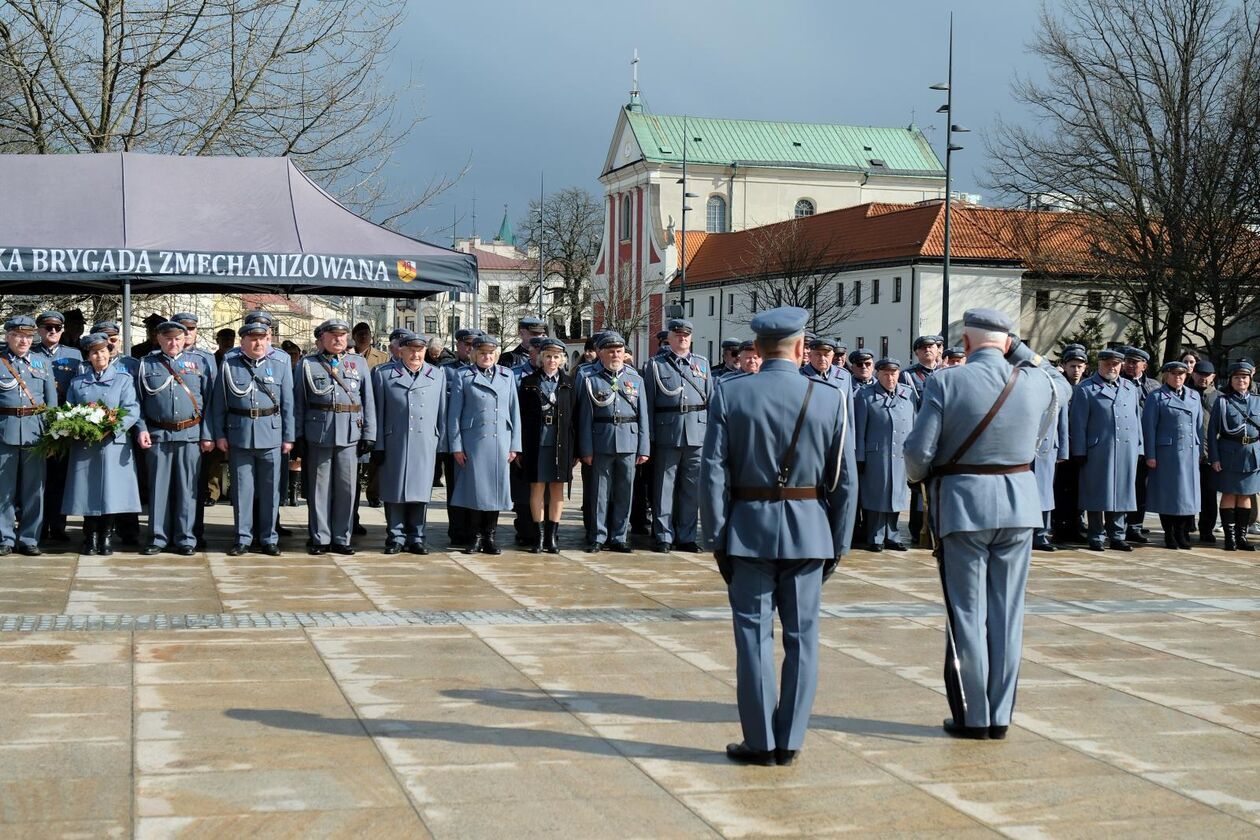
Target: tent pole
[{"x": 126, "y": 317}]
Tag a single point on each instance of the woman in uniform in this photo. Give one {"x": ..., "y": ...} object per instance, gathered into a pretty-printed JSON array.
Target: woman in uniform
[
  {"x": 483, "y": 431},
  {"x": 1234, "y": 452},
  {"x": 101, "y": 478},
  {"x": 548, "y": 407},
  {"x": 883, "y": 416},
  {"x": 1171, "y": 427}
]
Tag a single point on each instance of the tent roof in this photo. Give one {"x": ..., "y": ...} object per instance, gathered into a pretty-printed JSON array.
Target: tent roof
[{"x": 192, "y": 217}]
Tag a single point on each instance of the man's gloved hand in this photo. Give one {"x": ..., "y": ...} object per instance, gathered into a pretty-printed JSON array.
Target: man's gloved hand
[
  {"x": 829, "y": 568},
  {"x": 725, "y": 566},
  {"x": 377, "y": 457},
  {"x": 365, "y": 445},
  {"x": 1021, "y": 352}
]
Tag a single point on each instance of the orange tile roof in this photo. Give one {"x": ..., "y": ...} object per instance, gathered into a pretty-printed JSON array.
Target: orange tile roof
[
  {"x": 692, "y": 243},
  {"x": 490, "y": 261}
]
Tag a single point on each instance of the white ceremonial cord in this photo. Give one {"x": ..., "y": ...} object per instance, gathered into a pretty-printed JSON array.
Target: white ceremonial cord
[
  {"x": 1052, "y": 413},
  {"x": 310, "y": 383},
  {"x": 612, "y": 395},
  {"x": 8, "y": 384},
  {"x": 144, "y": 385},
  {"x": 844, "y": 433},
  {"x": 656, "y": 374},
  {"x": 229, "y": 382}
]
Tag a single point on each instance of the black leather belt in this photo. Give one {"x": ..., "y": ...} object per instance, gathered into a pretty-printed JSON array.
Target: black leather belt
[
  {"x": 253, "y": 413},
  {"x": 335, "y": 408},
  {"x": 680, "y": 409},
  {"x": 617, "y": 421}
]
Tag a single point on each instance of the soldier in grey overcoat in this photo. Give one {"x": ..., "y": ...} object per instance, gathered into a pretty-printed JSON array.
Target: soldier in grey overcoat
[
  {"x": 984, "y": 506},
  {"x": 411, "y": 422},
  {"x": 1106, "y": 439},
  {"x": 460, "y": 527},
  {"x": 777, "y": 509},
  {"x": 211, "y": 458},
  {"x": 1053, "y": 448},
  {"x": 676, "y": 389},
  {"x": 174, "y": 429},
  {"x": 1234, "y": 452},
  {"x": 883, "y": 417},
  {"x": 612, "y": 438},
  {"x": 334, "y": 413},
  {"x": 27, "y": 385},
  {"x": 1172, "y": 426},
  {"x": 251, "y": 421},
  {"x": 65, "y": 362},
  {"x": 927, "y": 351},
  {"x": 483, "y": 432},
  {"x": 101, "y": 478}
]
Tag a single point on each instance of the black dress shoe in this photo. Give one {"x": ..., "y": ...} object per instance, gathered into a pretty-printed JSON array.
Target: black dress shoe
[
  {"x": 6, "y": 550},
  {"x": 971, "y": 733},
  {"x": 316, "y": 549},
  {"x": 149, "y": 551},
  {"x": 1044, "y": 546},
  {"x": 1207, "y": 539},
  {"x": 596, "y": 547},
  {"x": 282, "y": 531},
  {"x": 416, "y": 548},
  {"x": 661, "y": 547},
  {"x": 620, "y": 548},
  {"x": 784, "y": 758},
  {"x": 271, "y": 550},
  {"x": 475, "y": 546},
  {"x": 1135, "y": 535},
  {"x": 58, "y": 535},
  {"x": 392, "y": 548},
  {"x": 184, "y": 550},
  {"x": 201, "y": 543},
  {"x": 689, "y": 547},
  {"x": 337, "y": 548},
  {"x": 28, "y": 550},
  {"x": 893, "y": 545},
  {"x": 997, "y": 733},
  {"x": 359, "y": 531},
  {"x": 237, "y": 550},
  {"x": 1095, "y": 545},
  {"x": 1119, "y": 545},
  {"x": 741, "y": 753},
  {"x": 875, "y": 547}
]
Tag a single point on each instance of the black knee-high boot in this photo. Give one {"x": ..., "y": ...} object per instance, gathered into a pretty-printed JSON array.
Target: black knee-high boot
[
  {"x": 1227, "y": 525},
  {"x": 1241, "y": 515},
  {"x": 105, "y": 535},
  {"x": 549, "y": 537},
  {"x": 541, "y": 545},
  {"x": 489, "y": 524},
  {"x": 1170, "y": 538},
  {"x": 1183, "y": 533},
  {"x": 89, "y": 535}
]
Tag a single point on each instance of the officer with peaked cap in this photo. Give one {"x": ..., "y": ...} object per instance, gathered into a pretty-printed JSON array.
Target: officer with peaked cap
[
  {"x": 527, "y": 534},
  {"x": 613, "y": 436},
  {"x": 778, "y": 484},
  {"x": 548, "y": 404},
  {"x": 730, "y": 358},
  {"x": 819, "y": 363},
  {"x": 411, "y": 414},
  {"x": 64, "y": 361},
  {"x": 211, "y": 458},
  {"x": 251, "y": 420},
  {"x": 526, "y": 328},
  {"x": 954, "y": 356},
  {"x": 1068, "y": 518},
  {"x": 1136, "y": 361},
  {"x": 927, "y": 349},
  {"x": 1234, "y": 452},
  {"x": 460, "y": 528},
  {"x": 749, "y": 357},
  {"x": 483, "y": 432},
  {"x": 174, "y": 430},
  {"x": 662, "y": 342},
  {"x": 677, "y": 386},
  {"x": 1172, "y": 426},
  {"x": 124, "y": 362},
  {"x": 974, "y": 437},
  {"x": 1052, "y": 452},
  {"x": 1106, "y": 439},
  {"x": 335, "y": 416},
  {"x": 862, "y": 369},
  {"x": 27, "y": 387},
  {"x": 1203, "y": 380},
  {"x": 883, "y": 417}
]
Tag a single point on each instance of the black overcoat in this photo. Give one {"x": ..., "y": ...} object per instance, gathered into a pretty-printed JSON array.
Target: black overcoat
[{"x": 532, "y": 402}]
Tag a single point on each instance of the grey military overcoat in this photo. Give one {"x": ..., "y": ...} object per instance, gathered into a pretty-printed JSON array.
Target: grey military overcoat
[
  {"x": 882, "y": 422},
  {"x": 101, "y": 479},
  {"x": 1106, "y": 430},
  {"x": 484, "y": 422},
  {"x": 1171, "y": 427},
  {"x": 411, "y": 429}
]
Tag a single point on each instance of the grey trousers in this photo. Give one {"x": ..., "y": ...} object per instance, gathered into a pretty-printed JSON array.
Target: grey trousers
[
  {"x": 676, "y": 494},
  {"x": 404, "y": 522},
  {"x": 1104, "y": 524},
  {"x": 773, "y": 718},
  {"x": 880, "y": 526},
  {"x": 173, "y": 468},
  {"x": 984, "y": 574},
  {"x": 614, "y": 486},
  {"x": 21, "y": 477},
  {"x": 331, "y": 487},
  {"x": 255, "y": 475}
]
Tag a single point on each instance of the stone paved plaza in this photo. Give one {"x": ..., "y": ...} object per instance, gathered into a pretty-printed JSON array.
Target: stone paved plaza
[{"x": 589, "y": 695}]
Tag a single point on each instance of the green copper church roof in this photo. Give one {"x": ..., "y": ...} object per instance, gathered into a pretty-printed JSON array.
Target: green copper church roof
[
  {"x": 505, "y": 234},
  {"x": 891, "y": 151}
]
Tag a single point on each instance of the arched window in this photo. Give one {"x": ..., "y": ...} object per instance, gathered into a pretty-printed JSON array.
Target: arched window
[
  {"x": 625, "y": 217},
  {"x": 805, "y": 207},
  {"x": 715, "y": 215}
]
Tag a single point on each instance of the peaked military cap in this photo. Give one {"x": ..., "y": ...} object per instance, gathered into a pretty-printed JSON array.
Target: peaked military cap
[
  {"x": 332, "y": 325},
  {"x": 1074, "y": 353},
  {"x": 680, "y": 325},
  {"x": 257, "y": 328},
  {"x": 927, "y": 341},
  {"x": 1242, "y": 366},
  {"x": 107, "y": 327},
  {"x": 21, "y": 323},
  {"x": 822, "y": 343},
  {"x": 465, "y": 333},
  {"x": 747, "y": 344},
  {"x": 532, "y": 323},
  {"x": 50, "y": 316},
  {"x": 611, "y": 339},
  {"x": 780, "y": 322},
  {"x": 536, "y": 341},
  {"x": 1175, "y": 367},
  {"x": 167, "y": 326},
  {"x": 551, "y": 344},
  {"x": 290, "y": 346},
  {"x": 413, "y": 340},
  {"x": 1075, "y": 346},
  {"x": 986, "y": 318},
  {"x": 154, "y": 319},
  {"x": 955, "y": 353},
  {"x": 398, "y": 332},
  {"x": 860, "y": 355},
  {"x": 188, "y": 319},
  {"x": 483, "y": 340},
  {"x": 1204, "y": 366},
  {"x": 1137, "y": 353},
  {"x": 1109, "y": 353},
  {"x": 662, "y": 335},
  {"x": 887, "y": 362},
  {"x": 730, "y": 343},
  {"x": 93, "y": 340},
  {"x": 841, "y": 347}
]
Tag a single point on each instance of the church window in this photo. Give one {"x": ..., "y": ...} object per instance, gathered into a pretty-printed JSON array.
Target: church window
[
  {"x": 730, "y": 304},
  {"x": 804, "y": 207},
  {"x": 711, "y": 304},
  {"x": 752, "y": 306},
  {"x": 1043, "y": 299},
  {"x": 857, "y": 292},
  {"x": 430, "y": 324},
  {"x": 715, "y": 215},
  {"x": 875, "y": 291},
  {"x": 896, "y": 290},
  {"x": 524, "y": 293},
  {"x": 625, "y": 218}
]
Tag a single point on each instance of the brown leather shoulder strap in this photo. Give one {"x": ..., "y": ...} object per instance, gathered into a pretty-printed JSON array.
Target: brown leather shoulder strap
[
  {"x": 984, "y": 421},
  {"x": 21, "y": 382},
  {"x": 180, "y": 380},
  {"x": 335, "y": 378},
  {"x": 789, "y": 457}
]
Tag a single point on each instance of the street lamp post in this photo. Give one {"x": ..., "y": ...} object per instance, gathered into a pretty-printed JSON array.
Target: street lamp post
[
  {"x": 950, "y": 130},
  {"x": 539, "y": 237},
  {"x": 682, "y": 245}
]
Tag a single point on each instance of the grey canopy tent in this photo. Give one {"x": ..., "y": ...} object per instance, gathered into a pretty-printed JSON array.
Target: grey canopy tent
[{"x": 159, "y": 223}]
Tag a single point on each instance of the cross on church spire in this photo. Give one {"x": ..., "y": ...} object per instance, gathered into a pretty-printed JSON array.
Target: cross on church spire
[{"x": 635, "y": 104}]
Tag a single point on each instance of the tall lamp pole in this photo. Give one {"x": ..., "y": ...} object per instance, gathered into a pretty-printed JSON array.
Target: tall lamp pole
[
  {"x": 539, "y": 237},
  {"x": 682, "y": 247},
  {"x": 950, "y": 130}
]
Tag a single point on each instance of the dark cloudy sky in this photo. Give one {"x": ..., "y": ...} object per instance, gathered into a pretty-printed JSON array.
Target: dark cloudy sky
[{"x": 519, "y": 89}]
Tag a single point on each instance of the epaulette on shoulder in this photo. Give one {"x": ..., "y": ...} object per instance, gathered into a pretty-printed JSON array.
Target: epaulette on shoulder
[
  {"x": 827, "y": 382},
  {"x": 731, "y": 377}
]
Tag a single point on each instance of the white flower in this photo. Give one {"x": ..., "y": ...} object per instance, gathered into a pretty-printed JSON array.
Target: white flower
[{"x": 96, "y": 416}]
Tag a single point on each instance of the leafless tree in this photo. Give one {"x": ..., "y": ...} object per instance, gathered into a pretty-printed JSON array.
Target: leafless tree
[
  {"x": 569, "y": 231},
  {"x": 790, "y": 264},
  {"x": 624, "y": 304},
  {"x": 298, "y": 78},
  {"x": 1148, "y": 124}
]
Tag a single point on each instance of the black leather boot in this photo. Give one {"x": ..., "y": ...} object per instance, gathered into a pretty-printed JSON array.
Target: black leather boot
[
  {"x": 476, "y": 545},
  {"x": 1227, "y": 525},
  {"x": 549, "y": 537},
  {"x": 105, "y": 536},
  {"x": 489, "y": 525},
  {"x": 89, "y": 535},
  {"x": 541, "y": 545},
  {"x": 1240, "y": 531}
]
